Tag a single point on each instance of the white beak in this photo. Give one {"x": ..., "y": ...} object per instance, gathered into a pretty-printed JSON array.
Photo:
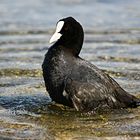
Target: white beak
[{"x": 57, "y": 35}]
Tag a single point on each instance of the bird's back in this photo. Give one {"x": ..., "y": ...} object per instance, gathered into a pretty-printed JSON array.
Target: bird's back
[{"x": 90, "y": 88}]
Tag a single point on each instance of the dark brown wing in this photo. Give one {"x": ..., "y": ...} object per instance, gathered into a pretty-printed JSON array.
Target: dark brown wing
[{"x": 89, "y": 88}]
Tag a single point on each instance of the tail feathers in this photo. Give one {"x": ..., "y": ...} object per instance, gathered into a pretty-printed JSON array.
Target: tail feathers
[
  {"x": 138, "y": 103},
  {"x": 126, "y": 98},
  {"x": 135, "y": 104}
]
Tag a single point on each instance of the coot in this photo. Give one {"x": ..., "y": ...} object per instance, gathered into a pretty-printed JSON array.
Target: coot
[{"x": 75, "y": 82}]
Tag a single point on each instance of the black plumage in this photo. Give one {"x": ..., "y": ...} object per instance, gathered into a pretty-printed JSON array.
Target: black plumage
[{"x": 75, "y": 82}]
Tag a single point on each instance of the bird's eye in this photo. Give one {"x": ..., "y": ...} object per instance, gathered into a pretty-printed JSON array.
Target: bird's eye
[{"x": 66, "y": 28}]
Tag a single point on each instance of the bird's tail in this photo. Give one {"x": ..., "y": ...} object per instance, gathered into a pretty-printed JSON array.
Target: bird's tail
[
  {"x": 135, "y": 103},
  {"x": 138, "y": 103}
]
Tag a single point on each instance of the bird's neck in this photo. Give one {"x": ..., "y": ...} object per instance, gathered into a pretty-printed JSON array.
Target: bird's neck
[{"x": 73, "y": 48}]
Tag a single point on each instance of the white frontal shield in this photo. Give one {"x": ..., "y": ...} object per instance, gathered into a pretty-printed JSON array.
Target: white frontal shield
[{"x": 57, "y": 35}]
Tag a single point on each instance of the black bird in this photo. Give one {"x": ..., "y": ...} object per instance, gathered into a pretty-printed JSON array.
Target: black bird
[{"x": 75, "y": 82}]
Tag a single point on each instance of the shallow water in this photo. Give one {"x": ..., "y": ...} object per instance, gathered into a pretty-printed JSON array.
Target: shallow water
[{"x": 112, "y": 42}]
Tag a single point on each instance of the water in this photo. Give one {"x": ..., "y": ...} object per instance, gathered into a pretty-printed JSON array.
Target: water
[{"x": 112, "y": 42}]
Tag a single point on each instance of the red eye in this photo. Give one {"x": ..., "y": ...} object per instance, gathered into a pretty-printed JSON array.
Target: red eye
[{"x": 66, "y": 28}]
